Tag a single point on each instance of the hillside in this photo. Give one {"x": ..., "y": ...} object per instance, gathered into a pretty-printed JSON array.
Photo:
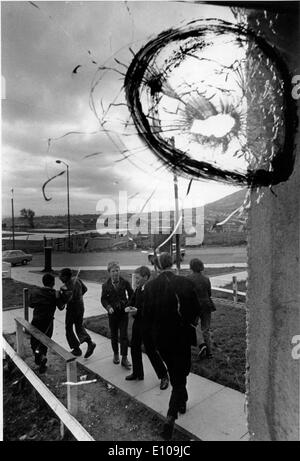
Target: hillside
[
  {"x": 220, "y": 209},
  {"x": 215, "y": 211}
]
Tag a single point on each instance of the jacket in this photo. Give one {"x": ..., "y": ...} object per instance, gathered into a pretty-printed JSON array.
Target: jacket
[
  {"x": 43, "y": 301},
  {"x": 117, "y": 298},
  {"x": 137, "y": 300},
  {"x": 203, "y": 290},
  {"x": 169, "y": 328},
  {"x": 73, "y": 294}
]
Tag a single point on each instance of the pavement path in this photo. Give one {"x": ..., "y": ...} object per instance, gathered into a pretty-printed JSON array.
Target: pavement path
[{"x": 214, "y": 412}]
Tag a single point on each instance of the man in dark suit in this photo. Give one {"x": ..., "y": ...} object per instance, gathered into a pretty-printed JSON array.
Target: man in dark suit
[{"x": 171, "y": 306}]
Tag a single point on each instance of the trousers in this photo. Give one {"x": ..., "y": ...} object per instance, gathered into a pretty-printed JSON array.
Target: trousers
[
  {"x": 178, "y": 364},
  {"x": 74, "y": 319},
  {"x": 136, "y": 349},
  {"x": 45, "y": 326},
  {"x": 205, "y": 320},
  {"x": 119, "y": 323},
  {"x": 153, "y": 355}
]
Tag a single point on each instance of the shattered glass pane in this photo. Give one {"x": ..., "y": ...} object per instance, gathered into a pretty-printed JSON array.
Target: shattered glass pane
[{"x": 131, "y": 92}]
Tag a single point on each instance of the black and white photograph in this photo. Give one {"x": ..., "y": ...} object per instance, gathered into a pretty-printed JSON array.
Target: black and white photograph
[{"x": 150, "y": 203}]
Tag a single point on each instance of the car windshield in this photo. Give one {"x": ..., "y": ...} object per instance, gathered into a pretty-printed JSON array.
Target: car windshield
[{"x": 6, "y": 253}]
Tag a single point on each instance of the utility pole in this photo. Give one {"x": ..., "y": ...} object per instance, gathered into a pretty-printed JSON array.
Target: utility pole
[
  {"x": 68, "y": 203},
  {"x": 13, "y": 218},
  {"x": 69, "y": 224},
  {"x": 177, "y": 235}
]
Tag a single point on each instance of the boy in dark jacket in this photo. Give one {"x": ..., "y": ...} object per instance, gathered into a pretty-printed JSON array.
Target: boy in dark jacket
[
  {"x": 142, "y": 274},
  {"x": 203, "y": 290},
  {"x": 141, "y": 333},
  {"x": 72, "y": 294},
  {"x": 116, "y": 293},
  {"x": 44, "y": 301},
  {"x": 171, "y": 306}
]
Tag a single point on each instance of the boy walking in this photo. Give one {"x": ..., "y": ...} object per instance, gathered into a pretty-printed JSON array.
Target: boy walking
[
  {"x": 116, "y": 293},
  {"x": 44, "y": 301},
  {"x": 170, "y": 307},
  {"x": 203, "y": 289},
  {"x": 72, "y": 294}
]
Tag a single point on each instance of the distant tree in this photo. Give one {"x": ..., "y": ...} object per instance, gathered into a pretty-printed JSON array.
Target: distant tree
[{"x": 28, "y": 214}]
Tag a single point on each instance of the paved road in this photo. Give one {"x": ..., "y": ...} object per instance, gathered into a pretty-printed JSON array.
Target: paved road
[{"x": 209, "y": 255}]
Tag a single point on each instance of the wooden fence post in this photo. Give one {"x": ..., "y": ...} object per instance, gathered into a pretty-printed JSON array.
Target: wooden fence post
[
  {"x": 26, "y": 303},
  {"x": 235, "y": 289},
  {"x": 20, "y": 339},
  {"x": 62, "y": 430},
  {"x": 72, "y": 391}
]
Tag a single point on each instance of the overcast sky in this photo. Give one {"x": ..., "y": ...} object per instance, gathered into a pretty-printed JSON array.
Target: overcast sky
[{"x": 41, "y": 44}]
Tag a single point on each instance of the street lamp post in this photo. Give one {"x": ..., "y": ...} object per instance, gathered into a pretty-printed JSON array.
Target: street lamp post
[
  {"x": 13, "y": 219},
  {"x": 68, "y": 200}
]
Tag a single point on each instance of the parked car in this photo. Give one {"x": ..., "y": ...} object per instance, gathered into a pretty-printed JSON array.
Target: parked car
[
  {"x": 182, "y": 255},
  {"x": 16, "y": 257}
]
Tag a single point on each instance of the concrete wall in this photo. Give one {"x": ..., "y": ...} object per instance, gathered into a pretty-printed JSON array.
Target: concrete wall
[
  {"x": 273, "y": 313},
  {"x": 273, "y": 299}
]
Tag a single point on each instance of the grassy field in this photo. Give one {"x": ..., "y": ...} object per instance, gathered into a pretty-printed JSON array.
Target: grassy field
[
  {"x": 227, "y": 367},
  {"x": 12, "y": 293}
]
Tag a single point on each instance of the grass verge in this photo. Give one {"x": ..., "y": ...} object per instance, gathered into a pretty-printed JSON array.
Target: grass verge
[
  {"x": 12, "y": 294},
  {"x": 107, "y": 413}
]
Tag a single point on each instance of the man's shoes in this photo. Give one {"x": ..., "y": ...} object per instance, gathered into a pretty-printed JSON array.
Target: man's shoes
[
  {"x": 182, "y": 408},
  {"x": 168, "y": 428},
  {"x": 76, "y": 351},
  {"x": 116, "y": 359},
  {"x": 164, "y": 383},
  {"x": 125, "y": 363},
  {"x": 43, "y": 362},
  {"x": 202, "y": 351},
  {"x": 134, "y": 377},
  {"x": 90, "y": 350}
]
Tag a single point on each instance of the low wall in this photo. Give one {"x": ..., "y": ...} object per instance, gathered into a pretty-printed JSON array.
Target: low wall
[
  {"x": 225, "y": 238},
  {"x": 29, "y": 246}
]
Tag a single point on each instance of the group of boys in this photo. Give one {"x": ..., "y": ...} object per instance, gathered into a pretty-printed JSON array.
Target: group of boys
[
  {"x": 44, "y": 301},
  {"x": 166, "y": 310},
  {"x": 119, "y": 299}
]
